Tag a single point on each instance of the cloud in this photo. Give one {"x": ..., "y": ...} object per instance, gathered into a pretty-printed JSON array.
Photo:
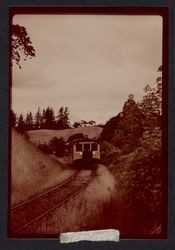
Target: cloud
[{"x": 89, "y": 63}]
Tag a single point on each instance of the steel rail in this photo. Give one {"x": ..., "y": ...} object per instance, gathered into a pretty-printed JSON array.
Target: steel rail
[
  {"x": 45, "y": 193},
  {"x": 58, "y": 205}
]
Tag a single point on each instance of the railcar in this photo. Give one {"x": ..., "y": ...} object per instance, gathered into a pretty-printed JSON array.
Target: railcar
[{"x": 85, "y": 151}]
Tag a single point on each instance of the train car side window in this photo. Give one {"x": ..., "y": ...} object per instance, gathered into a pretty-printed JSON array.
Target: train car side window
[
  {"x": 78, "y": 147},
  {"x": 94, "y": 146}
]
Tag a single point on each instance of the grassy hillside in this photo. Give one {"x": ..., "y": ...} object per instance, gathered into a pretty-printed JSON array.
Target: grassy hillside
[
  {"x": 45, "y": 135},
  {"x": 31, "y": 171}
]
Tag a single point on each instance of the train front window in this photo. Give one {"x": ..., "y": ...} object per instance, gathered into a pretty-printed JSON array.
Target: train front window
[
  {"x": 86, "y": 147},
  {"x": 78, "y": 147},
  {"x": 94, "y": 146}
]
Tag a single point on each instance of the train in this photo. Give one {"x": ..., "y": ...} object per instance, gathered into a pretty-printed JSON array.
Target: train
[{"x": 85, "y": 151}]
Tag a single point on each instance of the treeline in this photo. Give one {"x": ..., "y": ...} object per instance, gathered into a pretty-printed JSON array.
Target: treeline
[
  {"x": 131, "y": 148},
  {"x": 136, "y": 119},
  {"x": 46, "y": 119}
]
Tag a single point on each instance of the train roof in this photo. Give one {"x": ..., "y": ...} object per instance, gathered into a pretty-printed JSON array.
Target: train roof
[{"x": 85, "y": 140}]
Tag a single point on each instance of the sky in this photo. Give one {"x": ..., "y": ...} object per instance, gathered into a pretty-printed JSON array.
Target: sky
[{"x": 88, "y": 63}]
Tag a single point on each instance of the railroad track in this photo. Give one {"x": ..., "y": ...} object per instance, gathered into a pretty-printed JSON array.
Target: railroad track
[{"x": 27, "y": 213}]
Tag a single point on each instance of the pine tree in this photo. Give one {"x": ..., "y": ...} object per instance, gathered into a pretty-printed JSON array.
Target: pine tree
[
  {"x": 43, "y": 119},
  {"x": 66, "y": 122},
  {"x": 49, "y": 118},
  {"x": 21, "y": 124},
  {"x": 12, "y": 119},
  {"x": 29, "y": 121},
  {"x": 63, "y": 118},
  {"x": 38, "y": 119}
]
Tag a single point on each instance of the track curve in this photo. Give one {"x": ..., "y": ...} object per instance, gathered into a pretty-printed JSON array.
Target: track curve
[
  {"x": 26, "y": 213},
  {"x": 60, "y": 185}
]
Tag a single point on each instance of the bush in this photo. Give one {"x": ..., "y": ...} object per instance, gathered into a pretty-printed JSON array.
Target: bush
[
  {"x": 109, "y": 153},
  {"x": 147, "y": 167},
  {"x": 138, "y": 185},
  {"x": 57, "y": 146},
  {"x": 44, "y": 148}
]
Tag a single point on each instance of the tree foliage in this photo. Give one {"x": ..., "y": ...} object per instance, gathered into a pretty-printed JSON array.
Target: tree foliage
[
  {"x": 63, "y": 118},
  {"x": 44, "y": 119},
  {"x": 21, "y": 44},
  {"x": 130, "y": 127},
  {"x": 21, "y": 127},
  {"x": 91, "y": 122},
  {"x": 76, "y": 124},
  {"x": 12, "y": 119},
  {"x": 49, "y": 118},
  {"x": 57, "y": 146},
  {"x": 29, "y": 121},
  {"x": 38, "y": 119},
  {"x": 143, "y": 172},
  {"x": 131, "y": 148},
  {"x": 151, "y": 104},
  {"x": 125, "y": 129},
  {"x": 83, "y": 123},
  {"x": 109, "y": 128}
]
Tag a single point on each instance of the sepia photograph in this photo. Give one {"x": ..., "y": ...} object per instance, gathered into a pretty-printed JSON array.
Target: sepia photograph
[{"x": 87, "y": 148}]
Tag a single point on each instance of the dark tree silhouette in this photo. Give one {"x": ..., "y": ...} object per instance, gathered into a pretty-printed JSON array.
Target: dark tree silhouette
[
  {"x": 66, "y": 118},
  {"x": 91, "y": 122},
  {"x": 63, "y": 118},
  {"x": 43, "y": 119},
  {"x": 133, "y": 153},
  {"x": 38, "y": 119},
  {"x": 125, "y": 129},
  {"x": 84, "y": 123},
  {"x": 29, "y": 121},
  {"x": 109, "y": 128},
  {"x": 76, "y": 124},
  {"x": 44, "y": 148},
  {"x": 130, "y": 127},
  {"x": 60, "y": 117},
  {"x": 21, "y": 124},
  {"x": 21, "y": 44},
  {"x": 49, "y": 118},
  {"x": 151, "y": 104},
  {"x": 12, "y": 119},
  {"x": 57, "y": 146}
]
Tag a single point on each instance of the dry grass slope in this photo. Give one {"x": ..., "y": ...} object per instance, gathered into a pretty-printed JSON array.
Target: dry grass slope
[{"x": 31, "y": 171}]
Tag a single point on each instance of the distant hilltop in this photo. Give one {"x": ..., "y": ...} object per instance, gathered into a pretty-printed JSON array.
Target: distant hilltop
[{"x": 45, "y": 135}]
